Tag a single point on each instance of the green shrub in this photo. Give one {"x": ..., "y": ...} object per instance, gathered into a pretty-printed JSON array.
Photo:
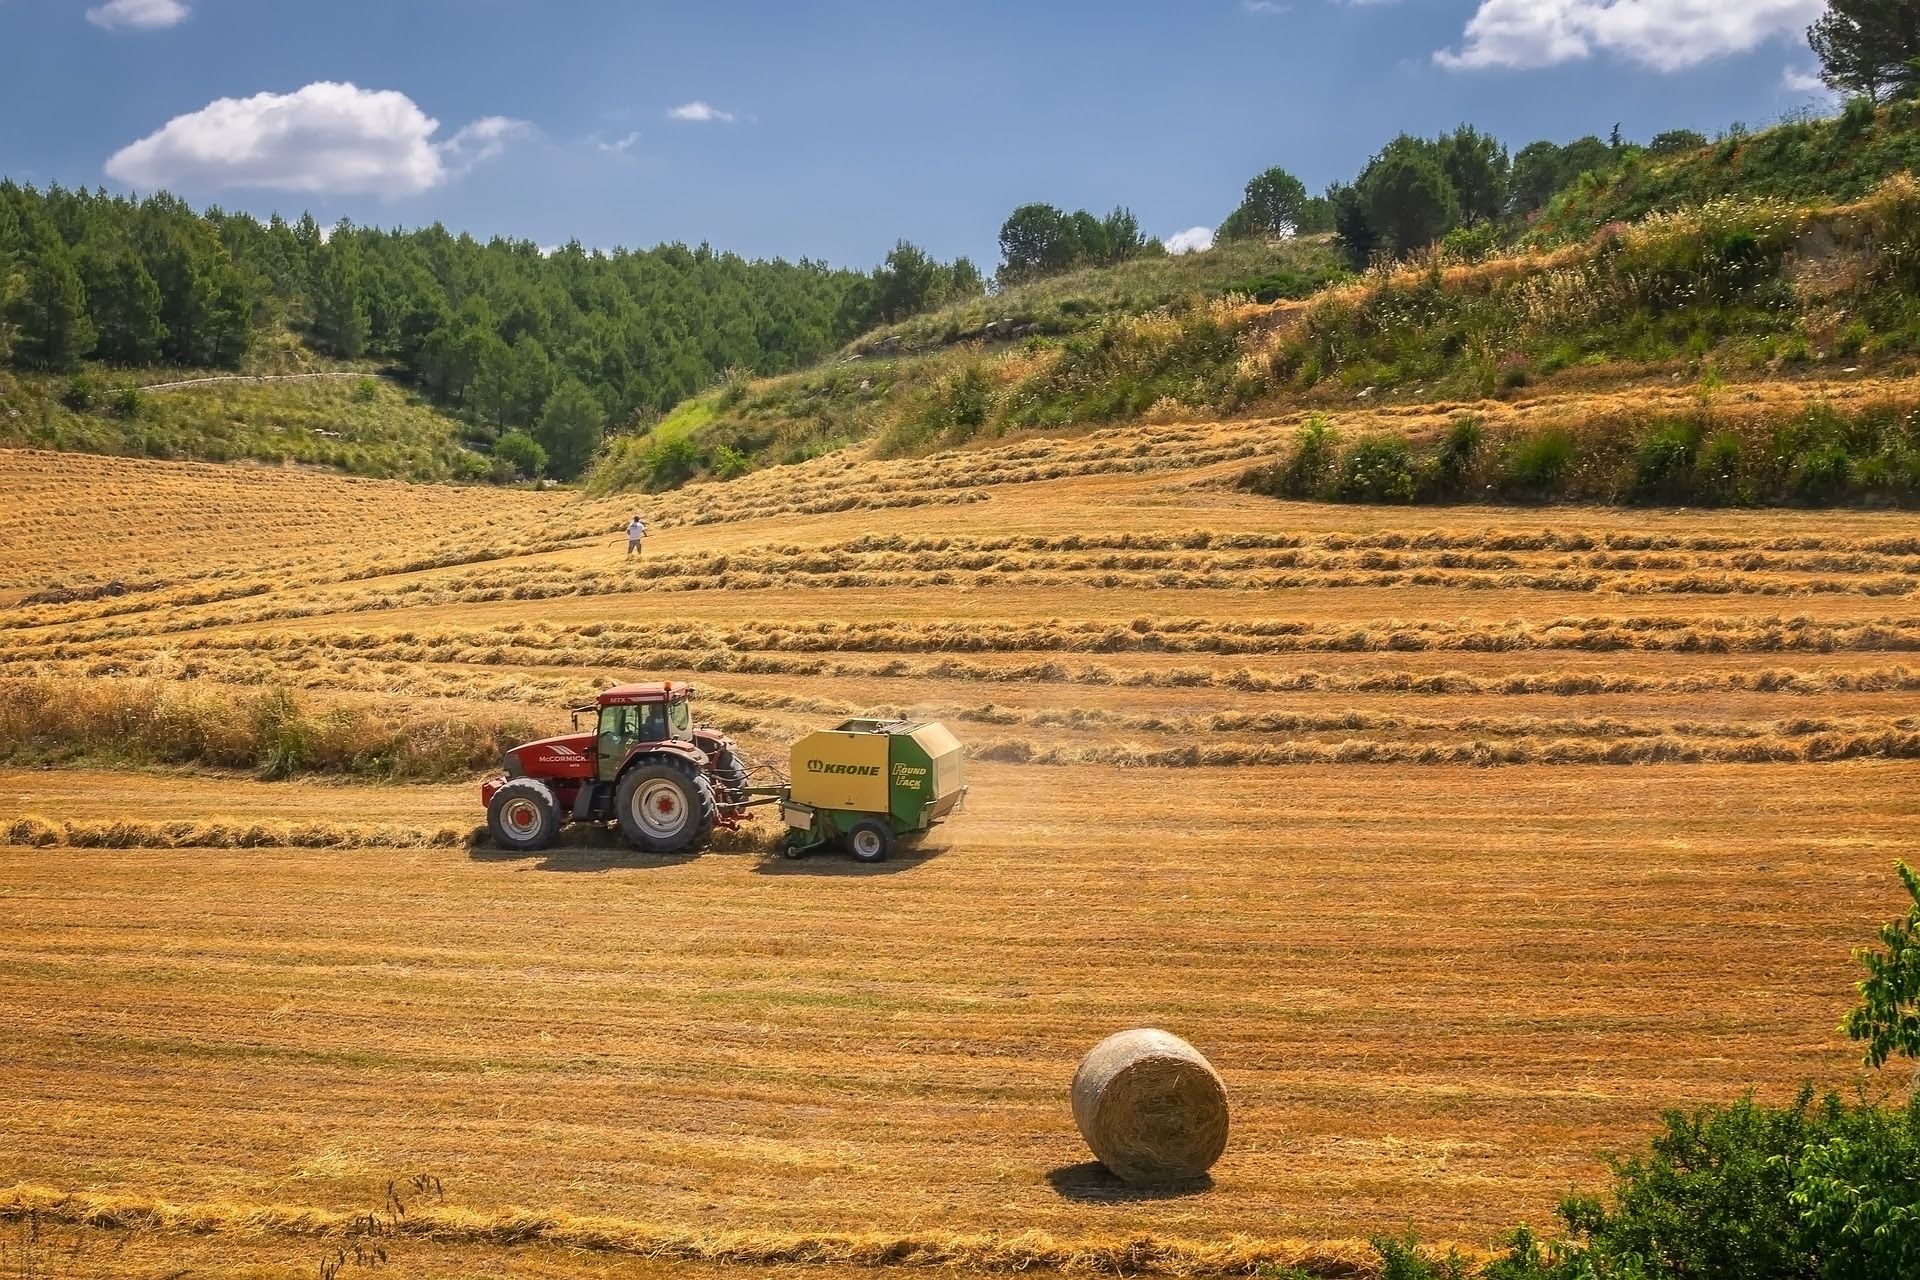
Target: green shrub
[
  {"x": 1749, "y": 1191},
  {"x": 365, "y": 390},
  {"x": 1537, "y": 465},
  {"x": 671, "y": 463},
  {"x": 1472, "y": 244},
  {"x": 521, "y": 452},
  {"x": 1376, "y": 469},
  {"x": 967, "y": 399},
  {"x": 1663, "y": 462},
  {"x": 1401, "y": 1259},
  {"x": 1454, "y": 460},
  {"x": 1825, "y": 1191},
  {"x": 1887, "y": 1019},
  {"x": 1313, "y": 455},
  {"x": 1716, "y": 469},
  {"x": 1856, "y": 119},
  {"x": 729, "y": 463},
  {"x": 128, "y": 402},
  {"x": 1824, "y": 473},
  {"x": 81, "y": 394}
]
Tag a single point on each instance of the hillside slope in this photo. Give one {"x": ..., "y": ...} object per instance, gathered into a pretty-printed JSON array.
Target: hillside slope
[
  {"x": 1732, "y": 291},
  {"x": 350, "y": 420},
  {"x": 941, "y": 378},
  {"x": 1818, "y": 161}
]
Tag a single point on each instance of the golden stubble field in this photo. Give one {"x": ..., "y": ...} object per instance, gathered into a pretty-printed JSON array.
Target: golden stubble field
[{"x": 1462, "y": 840}]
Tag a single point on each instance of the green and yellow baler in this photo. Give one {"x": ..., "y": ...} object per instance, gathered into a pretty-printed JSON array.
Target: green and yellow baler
[{"x": 864, "y": 784}]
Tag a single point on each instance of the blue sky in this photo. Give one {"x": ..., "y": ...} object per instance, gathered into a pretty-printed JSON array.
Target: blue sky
[{"x": 832, "y": 129}]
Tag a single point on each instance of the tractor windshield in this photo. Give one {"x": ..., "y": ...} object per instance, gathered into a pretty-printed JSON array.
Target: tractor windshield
[
  {"x": 621, "y": 728},
  {"x": 680, "y": 719}
]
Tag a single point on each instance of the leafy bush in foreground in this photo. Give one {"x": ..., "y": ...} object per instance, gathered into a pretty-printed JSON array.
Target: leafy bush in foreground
[{"x": 1821, "y": 1190}]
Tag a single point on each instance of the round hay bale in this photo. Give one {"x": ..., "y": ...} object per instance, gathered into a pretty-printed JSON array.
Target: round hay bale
[{"x": 1150, "y": 1107}]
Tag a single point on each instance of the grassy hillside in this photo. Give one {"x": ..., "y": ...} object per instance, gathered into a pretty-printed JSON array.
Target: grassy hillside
[
  {"x": 1101, "y": 345},
  {"x": 1823, "y": 161},
  {"x": 1079, "y": 300},
  {"x": 1755, "y": 283},
  {"x": 1731, "y": 289},
  {"x": 285, "y": 405},
  {"x": 356, "y": 422}
]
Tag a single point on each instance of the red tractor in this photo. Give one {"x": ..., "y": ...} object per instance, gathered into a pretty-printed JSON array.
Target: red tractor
[{"x": 645, "y": 765}]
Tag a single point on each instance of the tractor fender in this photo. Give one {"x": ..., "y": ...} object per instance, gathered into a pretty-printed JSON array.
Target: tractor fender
[
  {"x": 653, "y": 750},
  {"x": 711, "y": 742},
  {"x": 489, "y": 788}
]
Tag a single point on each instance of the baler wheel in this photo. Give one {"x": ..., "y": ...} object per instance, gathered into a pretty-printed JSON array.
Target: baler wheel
[{"x": 870, "y": 841}]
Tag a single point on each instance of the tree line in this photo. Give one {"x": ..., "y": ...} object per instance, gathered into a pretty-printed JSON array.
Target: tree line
[
  {"x": 551, "y": 346},
  {"x": 1040, "y": 240}
]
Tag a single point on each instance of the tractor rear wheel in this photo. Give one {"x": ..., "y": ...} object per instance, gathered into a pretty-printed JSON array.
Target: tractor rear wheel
[
  {"x": 522, "y": 816},
  {"x": 870, "y": 841},
  {"x": 665, "y": 806}
]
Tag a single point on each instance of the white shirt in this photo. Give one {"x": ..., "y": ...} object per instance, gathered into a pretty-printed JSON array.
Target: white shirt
[{"x": 635, "y": 528}]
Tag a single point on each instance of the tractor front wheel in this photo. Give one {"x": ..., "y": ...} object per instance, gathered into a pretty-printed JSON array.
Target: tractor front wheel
[
  {"x": 870, "y": 841},
  {"x": 522, "y": 816},
  {"x": 665, "y": 806}
]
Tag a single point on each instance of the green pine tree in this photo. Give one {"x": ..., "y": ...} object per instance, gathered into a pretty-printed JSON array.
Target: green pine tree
[
  {"x": 1869, "y": 47},
  {"x": 51, "y": 312},
  {"x": 124, "y": 304},
  {"x": 340, "y": 323},
  {"x": 570, "y": 429}
]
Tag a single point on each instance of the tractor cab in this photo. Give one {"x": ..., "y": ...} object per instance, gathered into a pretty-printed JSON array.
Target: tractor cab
[{"x": 629, "y": 715}]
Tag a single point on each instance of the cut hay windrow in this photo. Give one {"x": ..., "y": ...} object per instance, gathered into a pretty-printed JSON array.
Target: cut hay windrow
[
  {"x": 35, "y": 832},
  {"x": 1483, "y": 753},
  {"x": 434, "y": 677},
  {"x": 699, "y": 648},
  {"x": 1131, "y": 1255},
  {"x": 1624, "y": 573}
]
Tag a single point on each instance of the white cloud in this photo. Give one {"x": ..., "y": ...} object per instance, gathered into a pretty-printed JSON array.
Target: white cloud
[
  {"x": 147, "y": 15},
  {"x": 701, "y": 113},
  {"x": 618, "y": 144},
  {"x": 484, "y": 139},
  {"x": 1192, "y": 240},
  {"x": 1667, "y": 35},
  {"x": 1799, "y": 80},
  {"x": 1263, "y": 6},
  {"x": 327, "y": 137}
]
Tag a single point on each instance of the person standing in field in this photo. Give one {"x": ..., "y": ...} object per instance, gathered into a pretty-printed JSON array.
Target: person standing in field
[{"x": 636, "y": 534}]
